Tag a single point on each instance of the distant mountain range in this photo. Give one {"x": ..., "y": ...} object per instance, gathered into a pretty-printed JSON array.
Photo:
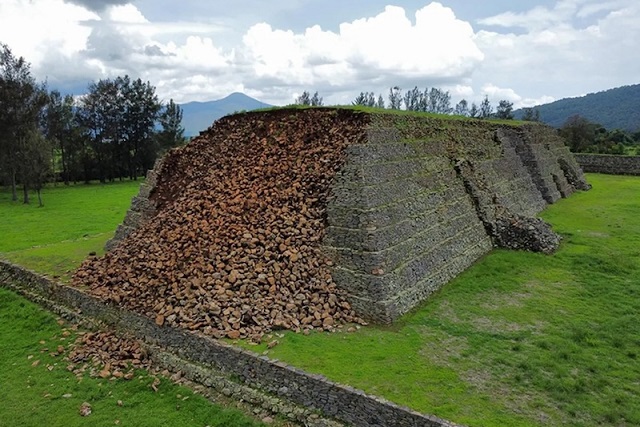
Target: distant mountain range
[
  {"x": 617, "y": 108},
  {"x": 198, "y": 116}
]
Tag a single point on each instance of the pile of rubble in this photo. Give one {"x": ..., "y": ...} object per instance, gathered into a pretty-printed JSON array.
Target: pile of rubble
[
  {"x": 234, "y": 250},
  {"x": 523, "y": 233},
  {"x": 105, "y": 355}
]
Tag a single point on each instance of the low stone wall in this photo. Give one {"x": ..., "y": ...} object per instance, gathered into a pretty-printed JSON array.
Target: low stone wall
[
  {"x": 613, "y": 165},
  {"x": 142, "y": 207},
  {"x": 315, "y": 392}
]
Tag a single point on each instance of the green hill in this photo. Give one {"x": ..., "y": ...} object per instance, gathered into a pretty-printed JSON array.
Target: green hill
[{"x": 617, "y": 108}]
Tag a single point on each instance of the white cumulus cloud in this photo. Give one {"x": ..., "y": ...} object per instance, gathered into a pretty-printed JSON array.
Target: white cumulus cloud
[
  {"x": 568, "y": 48},
  {"x": 496, "y": 94},
  {"x": 387, "y": 48},
  {"x": 560, "y": 53},
  {"x": 109, "y": 38},
  {"x": 33, "y": 28}
]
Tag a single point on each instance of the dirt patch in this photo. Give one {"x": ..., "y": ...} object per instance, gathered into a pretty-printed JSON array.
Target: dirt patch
[
  {"x": 598, "y": 234},
  {"x": 487, "y": 324},
  {"x": 446, "y": 311},
  {"x": 529, "y": 405},
  {"x": 493, "y": 300},
  {"x": 441, "y": 350}
]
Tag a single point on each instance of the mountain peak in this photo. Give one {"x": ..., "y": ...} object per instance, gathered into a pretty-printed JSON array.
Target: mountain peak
[
  {"x": 198, "y": 116},
  {"x": 238, "y": 95}
]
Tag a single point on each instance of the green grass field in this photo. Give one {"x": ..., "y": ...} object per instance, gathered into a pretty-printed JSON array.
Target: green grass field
[
  {"x": 388, "y": 111},
  {"x": 519, "y": 339},
  {"x": 54, "y": 240},
  {"x": 36, "y": 389},
  {"x": 74, "y": 221}
]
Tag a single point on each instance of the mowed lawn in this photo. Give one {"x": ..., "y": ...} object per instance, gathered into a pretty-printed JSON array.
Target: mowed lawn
[
  {"x": 519, "y": 339},
  {"x": 35, "y": 386},
  {"x": 36, "y": 389},
  {"x": 74, "y": 221}
]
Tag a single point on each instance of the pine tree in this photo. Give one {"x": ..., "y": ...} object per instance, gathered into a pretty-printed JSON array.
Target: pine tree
[
  {"x": 474, "y": 111},
  {"x": 316, "y": 100},
  {"x": 304, "y": 99},
  {"x": 486, "y": 110},
  {"x": 462, "y": 108},
  {"x": 505, "y": 110},
  {"x": 172, "y": 132},
  {"x": 395, "y": 98},
  {"x": 59, "y": 129},
  {"x": 531, "y": 114},
  {"x": 22, "y": 101}
]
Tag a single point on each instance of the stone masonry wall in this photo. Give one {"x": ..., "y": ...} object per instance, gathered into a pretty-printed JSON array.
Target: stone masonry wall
[
  {"x": 418, "y": 203},
  {"x": 614, "y": 165},
  {"x": 311, "y": 391},
  {"x": 401, "y": 224},
  {"x": 549, "y": 161},
  {"x": 142, "y": 207}
]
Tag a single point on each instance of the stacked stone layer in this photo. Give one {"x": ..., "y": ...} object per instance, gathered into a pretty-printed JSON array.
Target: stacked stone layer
[
  {"x": 614, "y": 165},
  {"x": 424, "y": 198}
]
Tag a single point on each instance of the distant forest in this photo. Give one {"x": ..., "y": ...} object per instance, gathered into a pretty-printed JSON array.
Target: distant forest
[{"x": 617, "y": 108}]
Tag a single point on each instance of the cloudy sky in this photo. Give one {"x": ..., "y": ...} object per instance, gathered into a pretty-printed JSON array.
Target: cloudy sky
[{"x": 526, "y": 51}]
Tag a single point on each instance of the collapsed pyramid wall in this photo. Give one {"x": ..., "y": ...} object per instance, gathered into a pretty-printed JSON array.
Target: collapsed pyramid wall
[
  {"x": 414, "y": 201},
  {"x": 232, "y": 247}
]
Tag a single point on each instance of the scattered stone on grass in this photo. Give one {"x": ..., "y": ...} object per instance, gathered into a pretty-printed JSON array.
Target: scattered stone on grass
[
  {"x": 85, "y": 409},
  {"x": 105, "y": 355}
]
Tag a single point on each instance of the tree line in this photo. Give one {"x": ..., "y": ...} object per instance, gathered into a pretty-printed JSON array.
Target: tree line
[
  {"x": 430, "y": 100},
  {"x": 584, "y": 136},
  {"x": 115, "y": 131},
  {"x": 580, "y": 135}
]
